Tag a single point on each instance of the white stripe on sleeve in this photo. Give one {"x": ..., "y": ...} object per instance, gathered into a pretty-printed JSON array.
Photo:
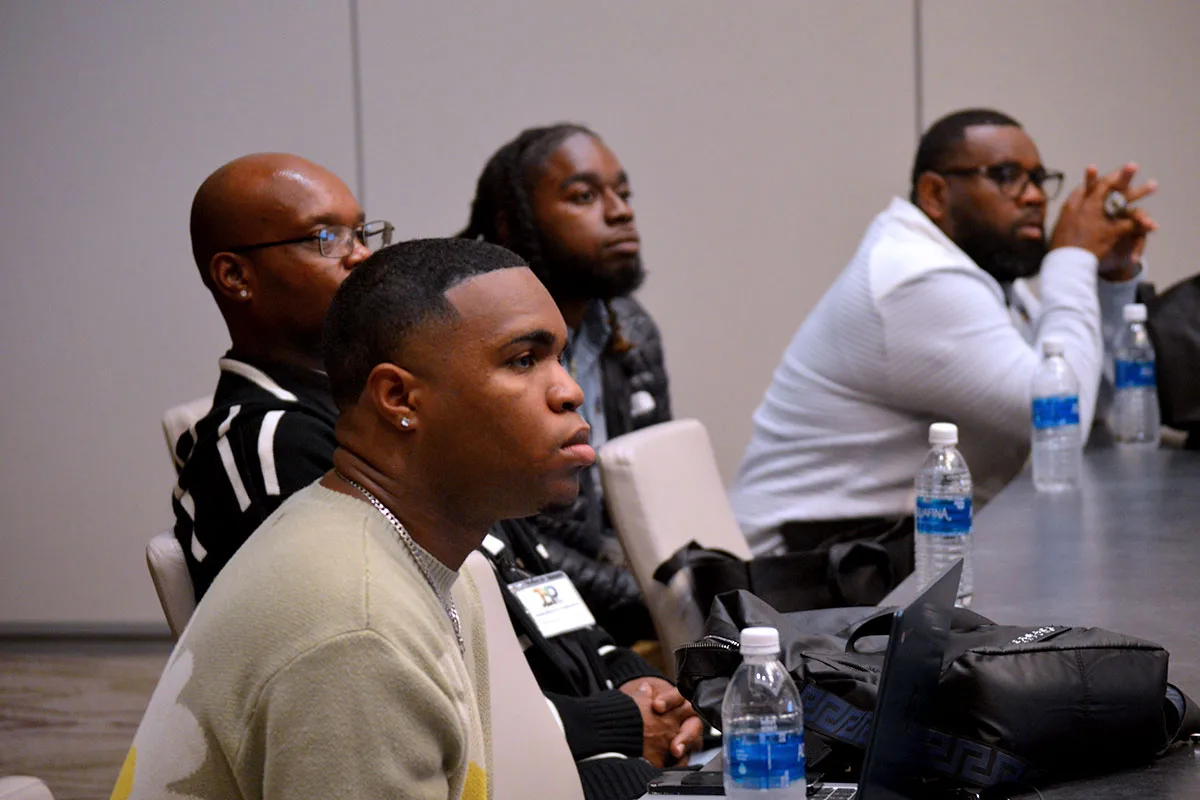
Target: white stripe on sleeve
[
  {"x": 266, "y": 451},
  {"x": 198, "y": 551},
  {"x": 231, "y": 470},
  {"x": 257, "y": 377}
]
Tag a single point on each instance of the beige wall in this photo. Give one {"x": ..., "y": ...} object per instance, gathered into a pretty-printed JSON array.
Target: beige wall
[
  {"x": 761, "y": 139},
  {"x": 113, "y": 114},
  {"x": 752, "y": 175}
]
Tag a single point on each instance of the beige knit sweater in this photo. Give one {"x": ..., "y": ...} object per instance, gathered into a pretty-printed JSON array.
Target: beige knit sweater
[{"x": 320, "y": 664}]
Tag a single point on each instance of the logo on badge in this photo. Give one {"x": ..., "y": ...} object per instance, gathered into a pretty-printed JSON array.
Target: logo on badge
[{"x": 548, "y": 594}]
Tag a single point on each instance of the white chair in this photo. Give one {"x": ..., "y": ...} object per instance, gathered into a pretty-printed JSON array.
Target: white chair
[
  {"x": 530, "y": 755},
  {"x": 23, "y": 787},
  {"x": 168, "y": 570},
  {"x": 179, "y": 419},
  {"x": 662, "y": 489}
]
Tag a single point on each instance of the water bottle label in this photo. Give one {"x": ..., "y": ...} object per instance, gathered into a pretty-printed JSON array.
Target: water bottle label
[
  {"x": 760, "y": 761},
  {"x": 1054, "y": 412},
  {"x": 944, "y": 517},
  {"x": 1134, "y": 374}
]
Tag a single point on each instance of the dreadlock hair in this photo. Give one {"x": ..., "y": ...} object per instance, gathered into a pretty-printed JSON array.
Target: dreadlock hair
[
  {"x": 943, "y": 136},
  {"x": 504, "y": 192}
]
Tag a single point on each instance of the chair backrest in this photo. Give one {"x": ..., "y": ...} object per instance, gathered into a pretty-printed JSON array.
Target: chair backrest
[
  {"x": 23, "y": 787},
  {"x": 530, "y": 755},
  {"x": 663, "y": 489},
  {"x": 168, "y": 570},
  {"x": 180, "y": 418}
]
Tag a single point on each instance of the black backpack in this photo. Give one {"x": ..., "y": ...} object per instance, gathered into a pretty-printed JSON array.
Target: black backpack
[{"x": 1015, "y": 705}]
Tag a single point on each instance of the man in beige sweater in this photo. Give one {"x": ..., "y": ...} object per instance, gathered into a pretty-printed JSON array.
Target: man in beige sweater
[{"x": 338, "y": 654}]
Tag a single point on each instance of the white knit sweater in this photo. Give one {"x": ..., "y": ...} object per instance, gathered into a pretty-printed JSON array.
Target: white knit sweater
[{"x": 912, "y": 332}]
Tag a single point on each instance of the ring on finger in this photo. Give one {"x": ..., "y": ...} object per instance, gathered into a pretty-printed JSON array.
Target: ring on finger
[{"x": 1115, "y": 205}]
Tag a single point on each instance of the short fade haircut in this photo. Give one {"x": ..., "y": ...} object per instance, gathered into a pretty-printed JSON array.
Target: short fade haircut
[
  {"x": 944, "y": 136},
  {"x": 391, "y": 294}
]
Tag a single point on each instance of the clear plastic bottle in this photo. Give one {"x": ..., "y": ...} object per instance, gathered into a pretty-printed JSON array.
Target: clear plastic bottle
[
  {"x": 943, "y": 512},
  {"x": 1057, "y": 444},
  {"x": 1134, "y": 418},
  {"x": 762, "y": 724}
]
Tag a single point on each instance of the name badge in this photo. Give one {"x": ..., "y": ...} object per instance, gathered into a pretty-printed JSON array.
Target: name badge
[{"x": 554, "y": 603}]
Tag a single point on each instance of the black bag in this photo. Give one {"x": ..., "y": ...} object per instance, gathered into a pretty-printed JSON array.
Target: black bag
[
  {"x": 1014, "y": 704},
  {"x": 832, "y": 566},
  {"x": 1173, "y": 321}
]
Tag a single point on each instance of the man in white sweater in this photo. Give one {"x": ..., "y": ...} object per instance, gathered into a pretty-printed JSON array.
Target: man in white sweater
[
  {"x": 931, "y": 321},
  {"x": 339, "y": 653}
]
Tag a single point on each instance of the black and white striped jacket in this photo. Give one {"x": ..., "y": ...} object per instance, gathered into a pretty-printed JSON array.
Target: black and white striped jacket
[{"x": 269, "y": 433}]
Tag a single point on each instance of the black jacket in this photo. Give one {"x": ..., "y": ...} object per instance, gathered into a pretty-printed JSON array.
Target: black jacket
[
  {"x": 578, "y": 537},
  {"x": 579, "y": 672}
]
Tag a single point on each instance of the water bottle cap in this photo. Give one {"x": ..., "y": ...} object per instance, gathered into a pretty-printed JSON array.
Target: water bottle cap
[
  {"x": 760, "y": 641},
  {"x": 1052, "y": 347},
  {"x": 943, "y": 433},
  {"x": 1134, "y": 312}
]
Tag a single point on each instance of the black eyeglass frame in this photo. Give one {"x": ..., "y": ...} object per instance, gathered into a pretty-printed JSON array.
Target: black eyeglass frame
[
  {"x": 995, "y": 172},
  {"x": 360, "y": 232}
]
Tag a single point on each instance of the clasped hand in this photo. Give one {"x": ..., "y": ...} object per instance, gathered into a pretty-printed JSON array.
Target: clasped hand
[
  {"x": 1117, "y": 241},
  {"x": 670, "y": 727}
]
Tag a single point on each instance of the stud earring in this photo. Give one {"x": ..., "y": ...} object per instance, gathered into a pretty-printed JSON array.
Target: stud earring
[
  {"x": 404, "y": 422},
  {"x": 244, "y": 293}
]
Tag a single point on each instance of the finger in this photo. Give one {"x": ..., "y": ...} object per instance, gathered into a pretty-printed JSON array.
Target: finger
[
  {"x": 1118, "y": 180},
  {"x": 1142, "y": 220},
  {"x": 1139, "y": 246},
  {"x": 1090, "y": 176},
  {"x": 688, "y": 737},
  {"x": 668, "y": 701},
  {"x": 1135, "y": 193}
]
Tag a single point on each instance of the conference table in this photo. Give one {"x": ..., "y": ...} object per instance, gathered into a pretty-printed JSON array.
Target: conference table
[{"x": 1121, "y": 553}]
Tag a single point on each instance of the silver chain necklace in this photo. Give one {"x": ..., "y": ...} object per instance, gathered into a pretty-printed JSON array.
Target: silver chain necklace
[{"x": 418, "y": 556}]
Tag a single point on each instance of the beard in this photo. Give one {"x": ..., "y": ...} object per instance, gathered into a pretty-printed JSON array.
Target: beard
[
  {"x": 1003, "y": 255},
  {"x": 570, "y": 276}
]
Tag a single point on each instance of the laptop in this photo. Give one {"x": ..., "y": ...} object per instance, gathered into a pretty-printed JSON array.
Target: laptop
[{"x": 912, "y": 666}]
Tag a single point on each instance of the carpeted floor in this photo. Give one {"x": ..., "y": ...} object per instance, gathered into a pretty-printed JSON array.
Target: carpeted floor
[{"x": 69, "y": 708}]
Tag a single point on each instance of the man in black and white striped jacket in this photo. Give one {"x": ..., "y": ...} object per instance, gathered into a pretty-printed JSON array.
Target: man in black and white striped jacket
[{"x": 274, "y": 236}]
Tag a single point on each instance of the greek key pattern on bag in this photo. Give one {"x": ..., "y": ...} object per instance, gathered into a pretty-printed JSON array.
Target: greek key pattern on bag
[
  {"x": 834, "y": 717},
  {"x": 972, "y": 762}
]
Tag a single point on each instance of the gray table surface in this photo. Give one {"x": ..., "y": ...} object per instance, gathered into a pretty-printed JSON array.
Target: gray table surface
[{"x": 1122, "y": 553}]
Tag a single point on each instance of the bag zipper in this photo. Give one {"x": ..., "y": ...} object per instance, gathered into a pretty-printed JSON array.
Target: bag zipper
[{"x": 711, "y": 641}]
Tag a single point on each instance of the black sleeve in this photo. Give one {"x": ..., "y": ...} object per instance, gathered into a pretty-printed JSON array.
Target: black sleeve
[
  {"x": 606, "y": 722},
  {"x": 231, "y": 484}
]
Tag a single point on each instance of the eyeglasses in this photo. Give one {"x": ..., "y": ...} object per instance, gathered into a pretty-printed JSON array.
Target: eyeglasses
[
  {"x": 1013, "y": 179},
  {"x": 335, "y": 241}
]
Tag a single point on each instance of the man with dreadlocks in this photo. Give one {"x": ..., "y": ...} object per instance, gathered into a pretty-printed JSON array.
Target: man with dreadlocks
[{"x": 559, "y": 198}]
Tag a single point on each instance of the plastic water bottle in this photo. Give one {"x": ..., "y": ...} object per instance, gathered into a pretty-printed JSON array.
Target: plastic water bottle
[
  {"x": 1057, "y": 444},
  {"x": 762, "y": 724},
  {"x": 1134, "y": 416},
  {"x": 943, "y": 512}
]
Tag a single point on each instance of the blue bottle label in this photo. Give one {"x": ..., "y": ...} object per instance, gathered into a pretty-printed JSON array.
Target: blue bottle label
[
  {"x": 765, "y": 760},
  {"x": 1054, "y": 412},
  {"x": 1133, "y": 374},
  {"x": 944, "y": 517}
]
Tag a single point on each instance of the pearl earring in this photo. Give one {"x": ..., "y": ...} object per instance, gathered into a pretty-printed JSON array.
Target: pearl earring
[{"x": 404, "y": 422}]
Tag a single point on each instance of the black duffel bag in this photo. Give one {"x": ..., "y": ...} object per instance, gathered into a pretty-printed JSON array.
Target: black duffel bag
[
  {"x": 831, "y": 565},
  {"x": 1014, "y": 704}
]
